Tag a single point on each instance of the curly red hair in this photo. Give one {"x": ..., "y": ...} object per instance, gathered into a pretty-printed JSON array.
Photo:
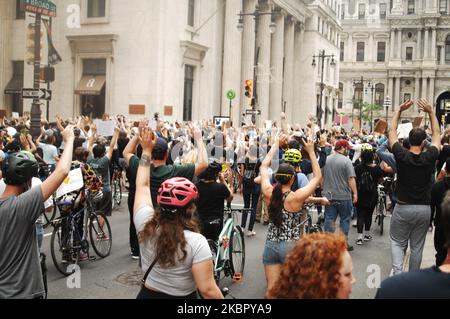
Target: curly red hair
[{"x": 311, "y": 270}]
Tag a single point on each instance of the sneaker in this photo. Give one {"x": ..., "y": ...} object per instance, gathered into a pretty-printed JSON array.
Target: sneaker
[
  {"x": 83, "y": 256},
  {"x": 266, "y": 223},
  {"x": 359, "y": 242},
  {"x": 367, "y": 238},
  {"x": 350, "y": 248},
  {"x": 251, "y": 234},
  {"x": 355, "y": 223},
  {"x": 135, "y": 257},
  {"x": 102, "y": 237}
]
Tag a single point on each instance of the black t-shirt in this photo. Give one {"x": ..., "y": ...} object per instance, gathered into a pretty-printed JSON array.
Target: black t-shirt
[
  {"x": 414, "y": 174},
  {"x": 445, "y": 153},
  {"x": 211, "y": 200},
  {"x": 251, "y": 167},
  {"x": 368, "y": 199},
  {"x": 421, "y": 284},
  {"x": 121, "y": 144}
]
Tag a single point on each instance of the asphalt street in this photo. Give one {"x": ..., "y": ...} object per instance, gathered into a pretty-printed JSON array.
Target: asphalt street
[{"x": 118, "y": 276}]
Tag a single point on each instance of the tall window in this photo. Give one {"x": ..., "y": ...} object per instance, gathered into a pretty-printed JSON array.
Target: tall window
[
  {"x": 341, "y": 95},
  {"x": 379, "y": 94},
  {"x": 438, "y": 55},
  {"x": 191, "y": 12},
  {"x": 96, "y": 8},
  {"x": 409, "y": 53},
  {"x": 20, "y": 12},
  {"x": 447, "y": 49},
  {"x": 362, "y": 11},
  {"x": 358, "y": 92},
  {"x": 443, "y": 6},
  {"x": 382, "y": 11},
  {"x": 381, "y": 52},
  {"x": 411, "y": 6},
  {"x": 342, "y": 11},
  {"x": 188, "y": 92},
  {"x": 94, "y": 66},
  {"x": 360, "y": 46},
  {"x": 341, "y": 57}
]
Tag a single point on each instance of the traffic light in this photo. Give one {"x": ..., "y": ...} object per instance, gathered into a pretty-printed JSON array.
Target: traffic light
[
  {"x": 29, "y": 53},
  {"x": 249, "y": 89}
]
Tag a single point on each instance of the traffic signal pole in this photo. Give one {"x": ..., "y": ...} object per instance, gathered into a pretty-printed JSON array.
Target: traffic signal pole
[{"x": 36, "y": 107}]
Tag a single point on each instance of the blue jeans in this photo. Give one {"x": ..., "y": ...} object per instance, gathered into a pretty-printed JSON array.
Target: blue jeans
[{"x": 343, "y": 209}]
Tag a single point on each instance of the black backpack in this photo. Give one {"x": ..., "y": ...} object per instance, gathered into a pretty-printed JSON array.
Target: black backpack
[{"x": 365, "y": 183}]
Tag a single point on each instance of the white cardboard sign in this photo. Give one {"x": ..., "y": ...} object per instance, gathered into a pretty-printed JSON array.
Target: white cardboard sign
[{"x": 73, "y": 182}]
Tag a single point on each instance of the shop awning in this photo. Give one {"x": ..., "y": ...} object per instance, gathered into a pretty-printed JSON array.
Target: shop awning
[
  {"x": 15, "y": 85},
  {"x": 91, "y": 85}
]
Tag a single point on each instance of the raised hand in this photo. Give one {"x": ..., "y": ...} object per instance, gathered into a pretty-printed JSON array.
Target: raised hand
[
  {"x": 406, "y": 105},
  {"x": 425, "y": 106},
  {"x": 67, "y": 134},
  {"x": 148, "y": 140}
]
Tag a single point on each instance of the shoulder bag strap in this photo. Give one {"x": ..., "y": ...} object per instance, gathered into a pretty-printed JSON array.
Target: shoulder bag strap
[{"x": 148, "y": 271}]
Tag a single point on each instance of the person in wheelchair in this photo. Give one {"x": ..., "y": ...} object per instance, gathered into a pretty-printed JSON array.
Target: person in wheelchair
[{"x": 213, "y": 191}]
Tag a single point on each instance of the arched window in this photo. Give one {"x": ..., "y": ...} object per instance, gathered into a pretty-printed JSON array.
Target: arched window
[
  {"x": 447, "y": 49},
  {"x": 379, "y": 94}
]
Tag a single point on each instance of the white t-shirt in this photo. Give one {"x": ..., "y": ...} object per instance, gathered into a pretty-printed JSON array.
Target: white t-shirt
[
  {"x": 50, "y": 152},
  {"x": 178, "y": 280}
]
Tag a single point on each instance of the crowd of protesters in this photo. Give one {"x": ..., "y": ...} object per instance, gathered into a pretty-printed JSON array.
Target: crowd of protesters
[{"x": 179, "y": 175}]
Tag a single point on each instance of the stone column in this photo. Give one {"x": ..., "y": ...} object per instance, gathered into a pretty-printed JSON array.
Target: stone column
[
  {"x": 419, "y": 44},
  {"x": 392, "y": 45},
  {"x": 248, "y": 52},
  {"x": 433, "y": 44},
  {"x": 350, "y": 48},
  {"x": 371, "y": 50},
  {"x": 399, "y": 44},
  {"x": 417, "y": 88},
  {"x": 263, "y": 40},
  {"x": 297, "y": 103},
  {"x": 398, "y": 98},
  {"x": 391, "y": 88},
  {"x": 276, "y": 81},
  {"x": 424, "y": 88},
  {"x": 431, "y": 92},
  {"x": 289, "y": 47},
  {"x": 232, "y": 56},
  {"x": 426, "y": 45}
]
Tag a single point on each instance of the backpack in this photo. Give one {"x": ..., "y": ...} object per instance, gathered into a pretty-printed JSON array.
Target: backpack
[
  {"x": 365, "y": 183},
  {"x": 249, "y": 175}
]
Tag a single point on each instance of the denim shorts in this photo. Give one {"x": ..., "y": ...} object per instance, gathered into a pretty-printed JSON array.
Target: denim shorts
[{"x": 275, "y": 252}]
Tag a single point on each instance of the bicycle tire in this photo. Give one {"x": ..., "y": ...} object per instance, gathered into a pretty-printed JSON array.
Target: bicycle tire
[
  {"x": 98, "y": 242},
  {"x": 119, "y": 195},
  {"x": 57, "y": 250},
  {"x": 237, "y": 237},
  {"x": 381, "y": 217}
]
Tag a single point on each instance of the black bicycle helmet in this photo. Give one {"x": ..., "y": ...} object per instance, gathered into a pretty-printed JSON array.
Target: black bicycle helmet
[
  {"x": 211, "y": 172},
  {"x": 19, "y": 168}
]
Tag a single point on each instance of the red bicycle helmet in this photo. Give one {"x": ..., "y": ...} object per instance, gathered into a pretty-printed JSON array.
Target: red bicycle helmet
[{"x": 177, "y": 192}]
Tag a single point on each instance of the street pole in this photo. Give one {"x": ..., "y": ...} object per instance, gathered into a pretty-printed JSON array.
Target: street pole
[
  {"x": 371, "y": 109},
  {"x": 48, "y": 82},
  {"x": 322, "y": 59},
  {"x": 255, "y": 67},
  {"x": 36, "y": 108},
  {"x": 361, "y": 104}
]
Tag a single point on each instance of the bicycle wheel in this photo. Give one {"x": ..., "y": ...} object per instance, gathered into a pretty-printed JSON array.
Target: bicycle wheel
[
  {"x": 237, "y": 254},
  {"x": 49, "y": 216},
  {"x": 381, "y": 216},
  {"x": 100, "y": 234},
  {"x": 118, "y": 193},
  {"x": 64, "y": 257}
]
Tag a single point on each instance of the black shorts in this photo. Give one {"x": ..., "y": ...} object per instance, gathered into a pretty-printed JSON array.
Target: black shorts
[
  {"x": 105, "y": 205},
  {"x": 150, "y": 294}
]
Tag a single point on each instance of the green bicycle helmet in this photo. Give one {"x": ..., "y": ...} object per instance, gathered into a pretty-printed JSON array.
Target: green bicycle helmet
[
  {"x": 293, "y": 156},
  {"x": 19, "y": 168}
]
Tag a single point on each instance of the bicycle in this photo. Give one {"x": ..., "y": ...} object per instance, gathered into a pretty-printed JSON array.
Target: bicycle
[
  {"x": 69, "y": 240},
  {"x": 381, "y": 208},
  {"x": 49, "y": 215},
  {"x": 309, "y": 226},
  {"x": 116, "y": 185},
  {"x": 229, "y": 250}
]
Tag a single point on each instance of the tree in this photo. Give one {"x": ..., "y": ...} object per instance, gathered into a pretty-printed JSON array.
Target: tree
[{"x": 368, "y": 110}]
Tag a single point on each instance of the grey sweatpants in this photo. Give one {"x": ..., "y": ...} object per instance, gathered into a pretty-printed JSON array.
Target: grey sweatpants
[{"x": 409, "y": 223}]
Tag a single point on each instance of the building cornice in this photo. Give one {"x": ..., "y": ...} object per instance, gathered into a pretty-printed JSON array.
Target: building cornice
[{"x": 297, "y": 9}]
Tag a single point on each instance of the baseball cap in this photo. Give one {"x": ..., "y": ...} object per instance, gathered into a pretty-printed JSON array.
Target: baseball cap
[
  {"x": 161, "y": 146},
  {"x": 342, "y": 144}
]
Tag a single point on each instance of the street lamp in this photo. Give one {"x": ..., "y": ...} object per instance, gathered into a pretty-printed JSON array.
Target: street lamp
[
  {"x": 371, "y": 87},
  {"x": 321, "y": 57},
  {"x": 272, "y": 28},
  {"x": 387, "y": 105}
]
